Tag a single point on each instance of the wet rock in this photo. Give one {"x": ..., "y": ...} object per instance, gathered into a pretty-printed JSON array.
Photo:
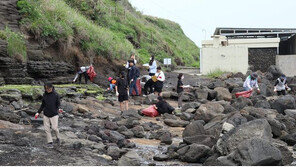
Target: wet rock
[
  {"x": 94, "y": 138},
  {"x": 257, "y": 151},
  {"x": 194, "y": 128},
  {"x": 166, "y": 138},
  {"x": 130, "y": 159},
  {"x": 291, "y": 113},
  {"x": 138, "y": 131},
  {"x": 192, "y": 105},
  {"x": 207, "y": 140},
  {"x": 254, "y": 129},
  {"x": 223, "y": 94},
  {"x": 290, "y": 139},
  {"x": 175, "y": 123},
  {"x": 195, "y": 153},
  {"x": 283, "y": 103},
  {"x": 241, "y": 102},
  {"x": 161, "y": 157}
]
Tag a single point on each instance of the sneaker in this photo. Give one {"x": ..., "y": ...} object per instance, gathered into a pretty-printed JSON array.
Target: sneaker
[
  {"x": 49, "y": 145},
  {"x": 58, "y": 142}
]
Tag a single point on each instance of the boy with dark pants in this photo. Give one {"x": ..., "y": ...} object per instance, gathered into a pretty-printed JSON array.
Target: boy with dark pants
[
  {"x": 50, "y": 107},
  {"x": 122, "y": 92},
  {"x": 133, "y": 76}
]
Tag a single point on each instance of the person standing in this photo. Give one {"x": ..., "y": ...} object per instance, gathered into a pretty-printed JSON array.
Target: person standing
[
  {"x": 134, "y": 74},
  {"x": 122, "y": 92},
  {"x": 180, "y": 89},
  {"x": 280, "y": 85},
  {"x": 81, "y": 71},
  {"x": 128, "y": 67},
  {"x": 159, "y": 83},
  {"x": 50, "y": 107},
  {"x": 152, "y": 70}
]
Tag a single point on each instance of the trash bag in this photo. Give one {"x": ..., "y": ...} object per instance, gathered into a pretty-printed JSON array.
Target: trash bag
[
  {"x": 150, "y": 112},
  {"x": 246, "y": 94}
]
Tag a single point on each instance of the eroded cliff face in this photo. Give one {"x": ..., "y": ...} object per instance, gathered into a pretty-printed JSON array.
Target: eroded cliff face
[{"x": 36, "y": 67}]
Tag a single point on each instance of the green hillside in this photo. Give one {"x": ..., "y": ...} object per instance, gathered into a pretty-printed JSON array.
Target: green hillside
[{"x": 109, "y": 28}]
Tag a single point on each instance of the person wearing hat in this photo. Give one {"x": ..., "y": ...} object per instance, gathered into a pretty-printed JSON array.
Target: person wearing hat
[
  {"x": 281, "y": 86},
  {"x": 251, "y": 83}
]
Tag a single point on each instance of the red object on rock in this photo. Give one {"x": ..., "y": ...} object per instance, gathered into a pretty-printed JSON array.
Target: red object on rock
[
  {"x": 150, "y": 112},
  {"x": 246, "y": 94},
  {"x": 36, "y": 116},
  {"x": 139, "y": 87}
]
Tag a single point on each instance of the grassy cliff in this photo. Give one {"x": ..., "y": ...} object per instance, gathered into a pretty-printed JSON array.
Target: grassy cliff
[{"x": 108, "y": 28}]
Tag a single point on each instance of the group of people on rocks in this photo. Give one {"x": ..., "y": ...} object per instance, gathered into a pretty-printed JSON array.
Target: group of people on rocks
[{"x": 280, "y": 86}]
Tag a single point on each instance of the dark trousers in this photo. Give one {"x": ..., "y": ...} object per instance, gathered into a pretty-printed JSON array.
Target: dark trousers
[
  {"x": 282, "y": 92},
  {"x": 85, "y": 77},
  {"x": 149, "y": 84},
  {"x": 133, "y": 85}
]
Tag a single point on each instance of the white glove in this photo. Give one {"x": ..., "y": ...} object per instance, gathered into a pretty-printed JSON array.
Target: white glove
[
  {"x": 36, "y": 115},
  {"x": 288, "y": 89},
  {"x": 117, "y": 94},
  {"x": 274, "y": 90}
]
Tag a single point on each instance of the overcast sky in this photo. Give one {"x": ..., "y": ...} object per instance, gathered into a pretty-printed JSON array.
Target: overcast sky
[{"x": 199, "y": 18}]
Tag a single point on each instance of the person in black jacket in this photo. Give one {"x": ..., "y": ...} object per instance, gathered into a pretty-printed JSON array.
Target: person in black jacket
[
  {"x": 163, "y": 107},
  {"x": 122, "y": 92},
  {"x": 133, "y": 76},
  {"x": 50, "y": 107}
]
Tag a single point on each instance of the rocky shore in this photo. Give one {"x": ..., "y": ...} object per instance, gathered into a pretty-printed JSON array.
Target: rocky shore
[{"x": 213, "y": 127}]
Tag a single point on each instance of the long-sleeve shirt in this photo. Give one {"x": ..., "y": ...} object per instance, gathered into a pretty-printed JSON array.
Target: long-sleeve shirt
[
  {"x": 152, "y": 68},
  {"x": 133, "y": 74},
  {"x": 50, "y": 104},
  {"x": 251, "y": 83},
  {"x": 160, "y": 76},
  {"x": 82, "y": 70}
]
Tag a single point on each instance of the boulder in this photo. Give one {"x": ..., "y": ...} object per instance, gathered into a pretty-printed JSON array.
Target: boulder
[
  {"x": 131, "y": 113},
  {"x": 94, "y": 138},
  {"x": 201, "y": 93},
  {"x": 110, "y": 125},
  {"x": 207, "y": 140},
  {"x": 261, "y": 113},
  {"x": 237, "y": 119},
  {"x": 115, "y": 152},
  {"x": 176, "y": 123},
  {"x": 290, "y": 113},
  {"x": 259, "y": 128},
  {"x": 11, "y": 97},
  {"x": 82, "y": 109},
  {"x": 194, "y": 153},
  {"x": 263, "y": 104},
  {"x": 130, "y": 159},
  {"x": 241, "y": 102},
  {"x": 290, "y": 139},
  {"x": 186, "y": 116},
  {"x": 192, "y": 105},
  {"x": 138, "y": 131},
  {"x": 216, "y": 83},
  {"x": 287, "y": 155},
  {"x": 289, "y": 123},
  {"x": 223, "y": 94},
  {"x": 212, "y": 94},
  {"x": 283, "y": 103},
  {"x": 113, "y": 136},
  {"x": 161, "y": 157},
  {"x": 274, "y": 71},
  {"x": 232, "y": 83},
  {"x": 194, "y": 128},
  {"x": 9, "y": 116},
  {"x": 166, "y": 138},
  {"x": 276, "y": 127},
  {"x": 257, "y": 152},
  {"x": 208, "y": 111}
]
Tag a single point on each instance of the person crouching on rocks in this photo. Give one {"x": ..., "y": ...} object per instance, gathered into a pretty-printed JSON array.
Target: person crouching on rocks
[
  {"x": 163, "y": 107},
  {"x": 81, "y": 71},
  {"x": 50, "y": 107},
  {"x": 122, "y": 92},
  {"x": 159, "y": 83},
  {"x": 251, "y": 83},
  {"x": 112, "y": 83},
  {"x": 281, "y": 86}
]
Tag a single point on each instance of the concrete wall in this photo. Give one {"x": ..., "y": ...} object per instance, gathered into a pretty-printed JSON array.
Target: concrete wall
[
  {"x": 228, "y": 58},
  {"x": 287, "y": 63}
]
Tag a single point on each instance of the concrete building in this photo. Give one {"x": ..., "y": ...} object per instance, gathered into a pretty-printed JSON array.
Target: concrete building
[{"x": 236, "y": 49}]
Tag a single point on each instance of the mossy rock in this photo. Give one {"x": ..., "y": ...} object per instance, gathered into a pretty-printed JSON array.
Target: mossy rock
[
  {"x": 37, "y": 93},
  {"x": 11, "y": 97}
]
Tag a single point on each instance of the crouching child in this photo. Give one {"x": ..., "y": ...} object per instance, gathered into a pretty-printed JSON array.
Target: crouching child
[{"x": 50, "y": 107}]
